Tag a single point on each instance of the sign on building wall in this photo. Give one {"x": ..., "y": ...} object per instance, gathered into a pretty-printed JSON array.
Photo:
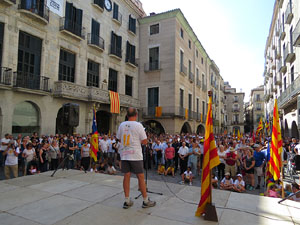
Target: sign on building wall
[{"x": 56, "y": 6}]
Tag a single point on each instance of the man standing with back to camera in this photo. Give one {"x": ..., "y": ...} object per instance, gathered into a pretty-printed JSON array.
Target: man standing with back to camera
[{"x": 131, "y": 135}]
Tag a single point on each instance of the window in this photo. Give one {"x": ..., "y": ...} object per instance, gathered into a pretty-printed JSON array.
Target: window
[
  {"x": 92, "y": 74},
  {"x": 154, "y": 58},
  {"x": 197, "y": 106},
  {"x": 154, "y": 29},
  {"x": 235, "y": 99},
  {"x": 95, "y": 34},
  {"x": 258, "y": 106},
  {"x": 212, "y": 79},
  {"x": 203, "y": 79},
  {"x": 236, "y": 118},
  {"x": 100, "y": 3},
  {"x": 197, "y": 53},
  {"x": 130, "y": 53},
  {"x": 116, "y": 45},
  {"x": 181, "y": 33},
  {"x": 73, "y": 19},
  {"x": 1, "y": 41},
  {"x": 190, "y": 44},
  {"x": 132, "y": 24},
  {"x": 181, "y": 58},
  {"x": 202, "y": 60},
  {"x": 292, "y": 74},
  {"x": 116, "y": 14},
  {"x": 66, "y": 66},
  {"x": 203, "y": 108},
  {"x": 258, "y": 97},
  {"x": 190, "y": 67},
  {"x": 29, "y": 60},
  {"x": 153, "y": 97},
  {"x": 284, "y": 83},
  {"x": 113, "y": 80},
  {"x": 181, "y": 98},
  {"x": 128, "y": 85}
]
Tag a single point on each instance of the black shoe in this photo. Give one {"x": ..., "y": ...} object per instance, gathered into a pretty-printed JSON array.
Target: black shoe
[
  {"x": 149, "y": 204},
  {"x": 257, "y": 187},
  {"x": 127, "y": 205}
]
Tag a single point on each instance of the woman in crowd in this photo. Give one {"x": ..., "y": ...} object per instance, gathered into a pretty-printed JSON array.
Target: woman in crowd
[
  {"x": 43, "y": 157},
  {"x": 54, "y": 155},
  {"x": 249, "y": 163},
  {"x": 29, "y": 155},
  {"x": 85, "y": 155},
  {"x": 221, "y": 166}
]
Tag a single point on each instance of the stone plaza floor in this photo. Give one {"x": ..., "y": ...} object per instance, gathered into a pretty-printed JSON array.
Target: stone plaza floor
[{"x": 73, "y": 197}]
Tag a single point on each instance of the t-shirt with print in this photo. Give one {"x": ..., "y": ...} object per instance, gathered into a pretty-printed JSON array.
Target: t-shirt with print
[
  {"x": 188, "y": 174},
  {"x": 228, "y": 182},
  {"x": 170, "y": 152},
  {"x": 4, "y": 147},
  {"x": 237, "y": 182},
  {"x": 29, "y": 154},
  {"x": 11, "y": 159},
  {"x": 104, "y": 145},
  {"x": 131, "y": 133}
]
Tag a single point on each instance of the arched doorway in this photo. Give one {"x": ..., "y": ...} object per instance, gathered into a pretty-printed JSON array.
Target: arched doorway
[
  {"x": 103, "y": 121},
  {"x": 295, "y": 133},
  {"x": 26, "y": 119},
  {"x": 153, "y": 126},
  {"x": 201, "y": 130},
  {"x": 286, "y": 129},
  {"x": 186, "y": 128}
]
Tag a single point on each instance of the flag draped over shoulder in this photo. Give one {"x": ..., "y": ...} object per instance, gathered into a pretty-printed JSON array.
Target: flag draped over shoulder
[
  {"x": 276, "y": 146},
  {"x": 94, "y": 139},
  {"x": 259, "y": 127},
  {"x": 210, "y": 160}
]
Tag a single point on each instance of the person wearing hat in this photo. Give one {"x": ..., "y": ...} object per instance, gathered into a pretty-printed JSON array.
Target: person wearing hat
[
  {"x": 260, "y": 160},
  {"x": 230, "y": 162},
  {"x": 239, "y": 184},
  {"x": 11, "y": 162},
  {"x": 227, "y": 182}
]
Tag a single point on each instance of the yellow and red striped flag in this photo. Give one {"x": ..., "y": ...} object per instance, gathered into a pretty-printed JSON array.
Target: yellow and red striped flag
[
  {"x": 114, "y": 102},
  {"x": 259, "y": 127},
  {"x": 94, "y": 139},
  {"x": 276, "y": 146},
  {"x": 210, "y": 160},
  {"x": 233, "y": 134},
  {"x": 238, "y": 135}
]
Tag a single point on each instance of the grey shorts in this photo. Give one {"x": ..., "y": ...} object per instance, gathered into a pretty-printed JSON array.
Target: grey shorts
[{"x": 135, "y": 167}]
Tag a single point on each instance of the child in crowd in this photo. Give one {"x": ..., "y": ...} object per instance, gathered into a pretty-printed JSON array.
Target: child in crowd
[
  {"x": 187, "y": 176},
  {"x": 227, "y": 182},
  {"x": 214, "y": 181},
  {"x": 272, "y": 192},
  {"x": 170, "y": 170},
  {"x": 239, "y": 184},
  {"x": 101, "y": 168},
  {"x": 111, "y": 170},
  {"x": 161, "y": 169}
]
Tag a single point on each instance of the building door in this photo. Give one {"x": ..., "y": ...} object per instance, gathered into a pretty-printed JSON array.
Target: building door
[
  {"x": 29, "y": 60},
  {"x": 103, "y": 120},
  {"x": 153, "y": 95},
  {"x": 154, "y": 58},
  {"x": 95, "y": 33}
]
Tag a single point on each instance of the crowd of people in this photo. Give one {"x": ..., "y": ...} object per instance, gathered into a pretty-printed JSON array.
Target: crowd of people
[{"x": 242, "y": 167}]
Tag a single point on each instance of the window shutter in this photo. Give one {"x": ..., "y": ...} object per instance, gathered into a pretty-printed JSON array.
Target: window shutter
[
  {"x": 127, "y": 51},
  {"x": 119, "y": 45},
  {"x": 68, "y": 15},
  {"x": 133, "y": 53},
  {"x": 134, "y": 25},
  {"x": 116, "y": 11}
]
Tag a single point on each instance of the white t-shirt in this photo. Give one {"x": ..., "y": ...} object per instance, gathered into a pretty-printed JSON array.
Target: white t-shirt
[
  {"x": 222, "y": 160},
  {"x": 29, "y": 154},
  {"x": 188, "y": 174},
  {"x": 110, "y": 144},
  {"x": 104, "y": 145},
  {"x": 183, "y": 150},
  {"x": 111, "y": 169},
  {"x": 298, "y": 148},
  {"x": 4, "y": 140},
  {"x": 130, "y": 134},
  {"x": 11, "y": 159},
  {"x": 224, "y": 181},
  {"x": 237, "y": 182}
]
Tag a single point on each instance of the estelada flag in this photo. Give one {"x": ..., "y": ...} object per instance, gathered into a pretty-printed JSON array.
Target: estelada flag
[
  {"x": 210, "y": 160},
  {"x": 259, "y": 127},
  {"x": 276, "y": 146},
  {"x": 94, "y": 139}
]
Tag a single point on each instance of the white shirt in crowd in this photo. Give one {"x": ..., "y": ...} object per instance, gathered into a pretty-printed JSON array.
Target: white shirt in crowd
[
  {"x": 222, "y": 154},
  {"x": 225, "y": 181},
  {"x": 237, "y": 182},
  {"x": 298, "y": 149},
  {"x": 188, "y": 174},
  {"x": 110, "y": 144},
  {"x": 4, "y": 140},
  {"x": 29, "y": 154},
  {"x": 183, "y": 150},
  {"x": 131, "y": 133},
  {"x": 11, "y": 159},
  {"x": 104, "y": 145}
]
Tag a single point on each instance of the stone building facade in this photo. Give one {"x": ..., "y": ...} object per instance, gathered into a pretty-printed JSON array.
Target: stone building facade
[
  {"x": 48, "y": 60},
  {"x": 257, "y": 106},
  {"x": 175, "y": 75},
  {"x": 234, "y": 110}
]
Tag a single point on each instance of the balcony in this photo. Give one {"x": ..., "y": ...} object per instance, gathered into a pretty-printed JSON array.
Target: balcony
[
  {"x": 289, "y": 14},
  {"x": 235, "y": 123},
  {"x": 115, "y": 52},
  {"x": 183, "y": 70},
  {"x": 282, "y": 33},
  {"x": 117, "y": 18},
  {"x": 30, "y": 81},
  {"x": 8, "y": 2},
  {"x": 282, "y": 67},
  {"x": 152, "y": 66},
  {"x": 168, "y": 112},
  {"x": 290, "y": 94},
  {"x": 235, "y": 100},
  {"x": 288, "y": 54},
  {"x": 296, "y": 35},
  {"x": 198, "y": 83},
  {"x": 99, "y": 4},
  {"x": 38, "y": 11},
  {"x": 191, "y": 77},
  {"x": 236, "y": 110},
  {"x": 71, "y": 28},
  {"x": 6, "y": 76},
  {"x": 131, "y": 62},
  {"x": 96, "y": 42}
]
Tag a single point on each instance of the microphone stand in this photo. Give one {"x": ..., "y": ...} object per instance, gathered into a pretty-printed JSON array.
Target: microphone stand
[
  {"x": 282, "y": 200},
  {"x": 146, "y": 150}
]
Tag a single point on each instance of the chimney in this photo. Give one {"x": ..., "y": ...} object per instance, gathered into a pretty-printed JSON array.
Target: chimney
[{"x": 152, "y": 14}]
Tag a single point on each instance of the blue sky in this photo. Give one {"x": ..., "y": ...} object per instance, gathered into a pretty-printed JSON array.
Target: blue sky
[{"x": 233, "y": 32}]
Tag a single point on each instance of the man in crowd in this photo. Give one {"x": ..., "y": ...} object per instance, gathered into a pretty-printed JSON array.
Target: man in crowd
[
  {"x": 131, "y": 135},
  {"x": 183, "y": 154},
  {"x": 4, "y": 144},
  {"x": 259, "y": 157}
]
